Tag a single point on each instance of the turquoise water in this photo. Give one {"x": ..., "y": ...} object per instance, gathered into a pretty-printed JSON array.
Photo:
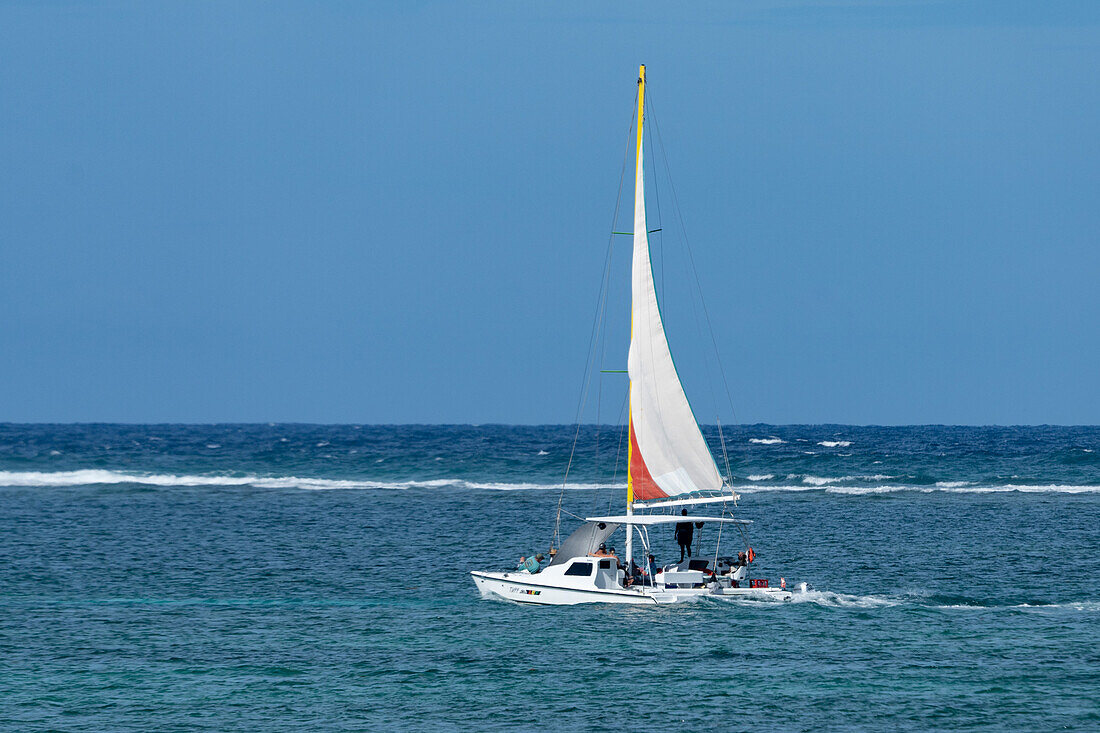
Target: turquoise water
[{"x": 316, "y": 577}]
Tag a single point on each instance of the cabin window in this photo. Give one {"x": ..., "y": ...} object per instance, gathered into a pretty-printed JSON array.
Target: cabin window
[
  {"x": 605, "y": 564},
  {"x": 580, "y": 568}
]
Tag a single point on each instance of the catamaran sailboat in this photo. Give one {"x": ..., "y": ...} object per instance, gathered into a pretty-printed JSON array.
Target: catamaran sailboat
[{"x": 669, "y": 468}]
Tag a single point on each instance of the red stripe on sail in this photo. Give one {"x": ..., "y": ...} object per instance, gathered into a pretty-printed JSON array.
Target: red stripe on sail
[{"x": 645, "y": 488}]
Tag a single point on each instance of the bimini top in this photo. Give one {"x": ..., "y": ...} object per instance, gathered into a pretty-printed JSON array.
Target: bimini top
[
  {"x": 584, "y": 540},
  {"x": 663, "y": 519}
]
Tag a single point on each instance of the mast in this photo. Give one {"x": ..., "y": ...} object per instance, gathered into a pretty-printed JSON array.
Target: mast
[{"x": 639, "y": 203}]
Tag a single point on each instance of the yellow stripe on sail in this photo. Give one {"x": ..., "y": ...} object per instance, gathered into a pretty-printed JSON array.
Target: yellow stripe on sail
[{"x": 637, "y": 162}]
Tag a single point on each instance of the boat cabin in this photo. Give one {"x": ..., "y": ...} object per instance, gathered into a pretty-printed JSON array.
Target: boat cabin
[
  {"x": 585, "y": 571},
  {"x": 603, "y": 572}
]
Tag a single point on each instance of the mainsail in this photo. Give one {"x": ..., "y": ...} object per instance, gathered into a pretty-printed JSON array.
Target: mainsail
[{"x": 668, "y": 454}]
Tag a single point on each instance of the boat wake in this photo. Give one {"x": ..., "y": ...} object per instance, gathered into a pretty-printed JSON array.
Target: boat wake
[
  {"x": 830, "y": 486},
  {"x": 830, "y": 599},
  {"x": 825, "y": 598}
]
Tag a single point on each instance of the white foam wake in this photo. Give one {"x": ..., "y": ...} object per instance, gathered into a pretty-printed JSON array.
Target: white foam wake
[
  {"x": 843, "y": 600},
  {"x": 100, "y": 477},
  {"x": 830, "y": 599},
  {"x": 829, "y": 487},
  {"x": 818, "y": 597},
  {"x": 1088, "y": 606}
]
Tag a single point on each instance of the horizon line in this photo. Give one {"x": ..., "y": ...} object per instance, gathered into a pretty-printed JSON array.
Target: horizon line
[{"x": 269, "y": 423}]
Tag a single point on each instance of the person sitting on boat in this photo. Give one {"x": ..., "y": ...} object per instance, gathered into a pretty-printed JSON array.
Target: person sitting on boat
[
  {"x": 652, "y": 569},
  {"x": 631, "y": 574},
  {"x": 531, "y": 564},
  {"x": 604, "y": 552},
  {"x": 741, "y": 561}
]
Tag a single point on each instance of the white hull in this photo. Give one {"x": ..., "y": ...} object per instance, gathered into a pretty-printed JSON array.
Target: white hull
[{"x": 527, "y": 588}]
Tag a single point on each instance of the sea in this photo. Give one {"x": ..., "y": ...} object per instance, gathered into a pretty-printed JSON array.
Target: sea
[{"x": 316, "y": 577}]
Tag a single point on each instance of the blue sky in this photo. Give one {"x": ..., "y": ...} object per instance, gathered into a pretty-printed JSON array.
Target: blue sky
[{"x": 383, "y": 213}]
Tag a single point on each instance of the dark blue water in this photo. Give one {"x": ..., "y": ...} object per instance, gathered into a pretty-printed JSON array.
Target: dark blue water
[{"x": 316, "y": 577}]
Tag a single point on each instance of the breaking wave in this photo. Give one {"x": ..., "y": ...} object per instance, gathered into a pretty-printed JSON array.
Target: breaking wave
[
  {"x": 831, "y": 485},
  {"x": 835, "y": 443},
  {"x": 767, "y": 441},
  {"x": 100, "y": 477},
  {"x": 824, "y": 481}
]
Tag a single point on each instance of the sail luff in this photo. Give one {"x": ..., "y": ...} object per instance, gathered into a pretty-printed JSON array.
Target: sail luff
[{"x": 639, "y": 201}]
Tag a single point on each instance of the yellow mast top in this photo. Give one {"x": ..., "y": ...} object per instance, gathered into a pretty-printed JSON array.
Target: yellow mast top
[{"x": 641, "y": 116}]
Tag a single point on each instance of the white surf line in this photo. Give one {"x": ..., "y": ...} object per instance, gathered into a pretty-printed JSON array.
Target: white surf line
[{"x": 102, "y": 477}]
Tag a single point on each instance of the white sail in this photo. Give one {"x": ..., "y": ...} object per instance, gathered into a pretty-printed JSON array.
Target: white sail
[{"x": 669, "y": 455}]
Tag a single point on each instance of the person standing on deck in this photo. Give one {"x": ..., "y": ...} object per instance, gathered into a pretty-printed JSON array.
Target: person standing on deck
[{"x": 684, "y": 532}]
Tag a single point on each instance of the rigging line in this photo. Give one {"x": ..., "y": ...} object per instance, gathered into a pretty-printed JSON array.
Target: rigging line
[
  {"x": 744, "y": 538},
  {"x": 615, "y": 470},
  {"x": 586, "y": 382},
  {"x": 599, "y": 387},
  {"x": 618, "y": 454},
  {"x": 695, "y": 271},
  {"x": 725, "y": 455},
  {"x": 660, "y": 226},
  {"x": 614, "y": 467},
  {"x": 698, "y": 288},
  {"x": 601, "y": 334},
  {"x": 718, "y": 542},
  {"x": 590, "y": 352},
  {"x": 695, "y": 314}
]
